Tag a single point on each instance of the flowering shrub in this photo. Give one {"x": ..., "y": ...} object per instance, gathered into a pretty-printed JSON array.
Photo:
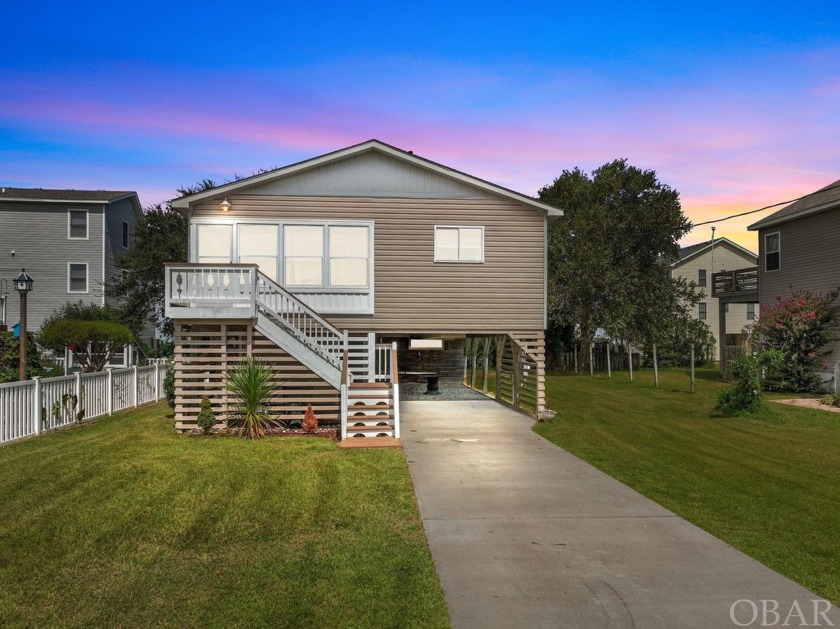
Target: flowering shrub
[
  {"x": 799, "y": 326},
  {"x": 745, "y": 394}
]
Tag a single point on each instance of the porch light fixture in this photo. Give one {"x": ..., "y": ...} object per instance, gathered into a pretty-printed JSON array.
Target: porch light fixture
[{"x": 225, "y": 205}]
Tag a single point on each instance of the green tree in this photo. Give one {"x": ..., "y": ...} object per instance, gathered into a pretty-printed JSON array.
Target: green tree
[
  {"x": 160, "y": 237},
  {"x": 606, "y": 254},
  {"x": 94, "y": 342},
  {"x": 10, "y": 357}
]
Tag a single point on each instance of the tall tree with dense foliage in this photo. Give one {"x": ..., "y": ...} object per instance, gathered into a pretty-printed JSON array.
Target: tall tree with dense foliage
[
  {"x": 160, "y": 237},
  {"x": 799, "y": 326},
  {"x": 606, "y": 254}
]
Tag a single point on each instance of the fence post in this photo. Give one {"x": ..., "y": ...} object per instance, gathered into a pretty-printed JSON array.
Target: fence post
[
  {"x": 78, "y": 391},
  {"x": 157, "y": 381},
  {"x": 110, "y": 391},
  {"x": 37, "y": 402},
  {"x": 134, "y": 367}
]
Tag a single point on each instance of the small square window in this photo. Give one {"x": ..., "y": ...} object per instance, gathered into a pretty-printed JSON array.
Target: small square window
[
  {"x": 77, "y": 224},
  {"x": 459, "y": 244},
  {"x": 702, "y": 310},
  {"x": 125, "y": 241},
  {"x": 77, "y": 278},
  {"x": 772, "y": 252}
]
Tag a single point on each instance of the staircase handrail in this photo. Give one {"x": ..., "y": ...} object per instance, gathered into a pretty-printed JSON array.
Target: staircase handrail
[{"x": 287, "y": 295}]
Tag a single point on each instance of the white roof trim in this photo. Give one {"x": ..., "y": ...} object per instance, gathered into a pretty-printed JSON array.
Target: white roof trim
[
  {"x": 185, "y": 202},
  {"x": 722, "y": 239}
]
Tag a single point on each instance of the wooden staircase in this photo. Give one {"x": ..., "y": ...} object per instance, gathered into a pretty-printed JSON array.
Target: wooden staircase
[{"x": 370, "y": 410}]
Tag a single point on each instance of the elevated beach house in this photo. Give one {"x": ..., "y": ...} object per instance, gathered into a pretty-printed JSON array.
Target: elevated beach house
[{"x": 349, "y": 269}]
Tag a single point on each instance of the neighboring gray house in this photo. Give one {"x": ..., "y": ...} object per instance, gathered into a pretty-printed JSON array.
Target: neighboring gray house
[
  {"x": 67, "y": 240},
  {"x": 698, "y": 263},
  {"x": 799, "y": 248}
]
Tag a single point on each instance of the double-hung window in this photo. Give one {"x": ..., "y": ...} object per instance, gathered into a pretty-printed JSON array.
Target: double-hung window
[
  {"x": 751, "y": 312},
  {"x": 772, "y": 252},
  {"x": 702, "y": 311},
  {"x": 701, "y": 279},
  {"x": 303, "y": 255},
  {"x": 77, "y": 224},
  {"x": 77, "y": 277},
  {"x": 459, "y": 244},
  {"x": 349, "y": 255}
]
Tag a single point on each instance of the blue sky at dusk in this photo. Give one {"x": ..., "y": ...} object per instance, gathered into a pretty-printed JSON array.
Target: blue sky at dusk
[{"x": 734, "y": 105}]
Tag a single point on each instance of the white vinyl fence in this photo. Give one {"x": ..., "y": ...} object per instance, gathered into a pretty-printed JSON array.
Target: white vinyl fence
[{"x": 37, "y": 406}]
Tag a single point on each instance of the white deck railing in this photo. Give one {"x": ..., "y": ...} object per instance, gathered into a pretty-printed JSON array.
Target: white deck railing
[{"x": 34, "y": 407}]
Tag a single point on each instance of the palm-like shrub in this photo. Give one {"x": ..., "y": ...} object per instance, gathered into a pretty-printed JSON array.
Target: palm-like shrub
[{"x": 251, "y": 383}]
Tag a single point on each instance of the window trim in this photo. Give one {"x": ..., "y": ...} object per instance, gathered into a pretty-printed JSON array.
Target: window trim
[
  {"x": 69, "y": 225},
  {"x": 126, "y": 235},
  {"x": 778, "y": 251},
  {"x": 87, "y": 278},
  {"x": 458, "y": 260}
]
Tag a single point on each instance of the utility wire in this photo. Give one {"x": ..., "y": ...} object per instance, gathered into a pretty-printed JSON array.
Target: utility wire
[{"x": 767, "y": 207}]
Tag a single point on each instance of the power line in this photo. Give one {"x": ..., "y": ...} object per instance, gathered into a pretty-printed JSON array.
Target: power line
[{"x": 767, "y": 207}]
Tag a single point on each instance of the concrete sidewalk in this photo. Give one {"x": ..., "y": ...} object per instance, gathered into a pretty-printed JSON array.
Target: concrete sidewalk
[{"x": 526, "y": 535}]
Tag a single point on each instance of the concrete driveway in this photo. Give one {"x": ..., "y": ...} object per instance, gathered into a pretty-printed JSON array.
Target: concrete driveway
[{"x": 526, "y": 535}]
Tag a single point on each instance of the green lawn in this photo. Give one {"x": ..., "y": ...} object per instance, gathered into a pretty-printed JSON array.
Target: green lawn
[
  {"x": 768, "y": 484},
  {"x": 122, "y": 523}
]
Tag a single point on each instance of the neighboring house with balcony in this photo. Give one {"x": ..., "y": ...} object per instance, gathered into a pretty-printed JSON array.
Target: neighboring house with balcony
[
  {"x": 799, "y": 248},
  {"x": 349, "y": 268},
  {"x": 67, "y": 240},
  {"x": 697, "y": 263}
]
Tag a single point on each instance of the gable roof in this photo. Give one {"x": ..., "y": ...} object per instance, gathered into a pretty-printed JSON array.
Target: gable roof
[
  {"x": 692, "y": 251},
  {"x": 825, "y": 198},
  {"x": 184, "y": 202},
  {"x": 68, "y": 196}
]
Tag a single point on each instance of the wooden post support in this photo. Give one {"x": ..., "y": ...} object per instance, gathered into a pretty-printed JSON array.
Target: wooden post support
[
  {"x": 630, "y": 357},
  {"x": 500, "y": 349},
  {"x": 609, "y": 366},
  {"x": 655, "y": 367},
  {"x": 517, "y": 373},
  {"x": 692, "y": 369},
  {"x": 486, "y": 364},
  {"x": 722, "y": 336}
]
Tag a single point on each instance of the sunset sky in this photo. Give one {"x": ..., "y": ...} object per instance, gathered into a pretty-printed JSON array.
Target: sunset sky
[{"x": 735, "y": 105}]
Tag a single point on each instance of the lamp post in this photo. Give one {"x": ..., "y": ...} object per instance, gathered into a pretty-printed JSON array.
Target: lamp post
[{"x": 23, "y": 284}]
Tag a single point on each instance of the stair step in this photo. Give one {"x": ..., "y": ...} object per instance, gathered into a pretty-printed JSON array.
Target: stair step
[
  {"x": 368, "y": 407},
  {"x": 370, "y": 385},
  {"x": 370, "y": 442},
  {"x": 385, "y": 425}
]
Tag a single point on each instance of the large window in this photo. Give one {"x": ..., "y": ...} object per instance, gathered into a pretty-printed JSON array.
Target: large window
[
  {"x": 77, "y": 278},
  {"x": 214, "y": 244},
  {"x": 303, "y": 255},
  {"x": 701, "y": 279},
  {"x": 459, "y": 244},
  {"x": 772, "y": 252},
  {"x": 258, "y": 245},
  {"x": 349, "y": 251},
  {"x": 77, "y": 224}
]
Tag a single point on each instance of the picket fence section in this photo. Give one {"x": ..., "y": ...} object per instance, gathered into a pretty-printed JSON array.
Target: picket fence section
[{"x": 37, "y": 406}]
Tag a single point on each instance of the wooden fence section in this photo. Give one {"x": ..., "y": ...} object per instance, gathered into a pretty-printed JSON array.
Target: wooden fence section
[
  {"x": 38, "y": 406},
  {"x": 206, "y": 351},
  {"x": 519, "y": 364}
]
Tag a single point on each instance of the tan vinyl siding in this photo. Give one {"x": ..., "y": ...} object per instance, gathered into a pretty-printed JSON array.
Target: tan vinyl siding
[
  {"x": 810, "y": 259},
  {"x": 413, "y": 294},
  {"x": 726, "y": 258}
]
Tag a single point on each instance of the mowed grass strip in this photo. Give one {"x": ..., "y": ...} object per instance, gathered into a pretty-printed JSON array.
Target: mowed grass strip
[
  {"x": 768, "y": 484},
  {"x": 123, "y": 523}
]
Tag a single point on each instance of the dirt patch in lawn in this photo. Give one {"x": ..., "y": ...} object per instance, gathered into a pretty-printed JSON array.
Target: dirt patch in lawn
[{"x": 809, "y": 403}]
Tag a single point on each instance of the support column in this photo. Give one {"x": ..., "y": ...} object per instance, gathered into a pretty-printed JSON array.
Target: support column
[
  {"x": 484, "y": 375},
  {"x": 721, "y": 335},
  {"x": 500, "y": 350}
]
